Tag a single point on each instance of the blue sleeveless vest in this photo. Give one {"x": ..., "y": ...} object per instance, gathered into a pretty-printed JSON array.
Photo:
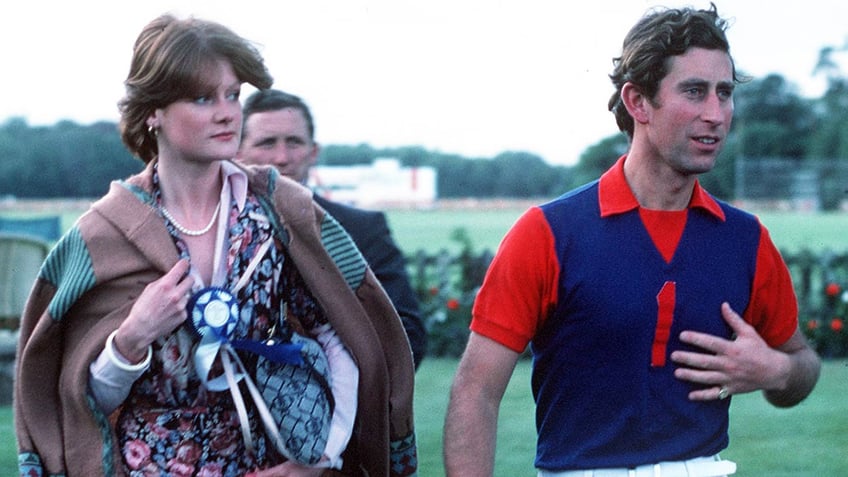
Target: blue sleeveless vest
[{"x": 600, "y": 400}]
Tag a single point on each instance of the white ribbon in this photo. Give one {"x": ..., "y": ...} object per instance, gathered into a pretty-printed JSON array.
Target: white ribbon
[
  {"x": 210, "y": 343},
  {"x": 271, "y": 429},
  {"x": 220, "y": 316}
]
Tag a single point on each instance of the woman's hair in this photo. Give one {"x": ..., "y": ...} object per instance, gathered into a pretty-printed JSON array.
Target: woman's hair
[
  {"x": 647, "y": 48},
  {"x": 169, "y": 62}
]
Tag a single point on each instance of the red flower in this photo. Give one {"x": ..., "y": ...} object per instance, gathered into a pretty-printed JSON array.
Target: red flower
[
  {"x": 812, "y": 324},
  {"x": 180, "y": 469},
  {"x": 836, "y": 324},
  {"x": 832, "y": 289},
  {"x": 434, "y": 291},
  {"x": 452, "y": 304},
  {"x": 136, "y": 453}
]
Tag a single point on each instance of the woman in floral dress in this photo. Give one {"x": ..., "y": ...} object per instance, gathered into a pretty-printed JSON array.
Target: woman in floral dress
[{"x": 115, "y": 375}]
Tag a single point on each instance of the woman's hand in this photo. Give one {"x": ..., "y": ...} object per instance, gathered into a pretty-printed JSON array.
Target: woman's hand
[{"x": 158, "y": 311}]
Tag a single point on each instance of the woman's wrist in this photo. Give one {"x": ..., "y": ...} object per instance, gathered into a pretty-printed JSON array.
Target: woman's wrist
[{"x": 125, "y": 360}]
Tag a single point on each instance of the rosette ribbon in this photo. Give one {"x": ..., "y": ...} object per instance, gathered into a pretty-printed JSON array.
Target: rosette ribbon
[{"x": 214, "y": 313}]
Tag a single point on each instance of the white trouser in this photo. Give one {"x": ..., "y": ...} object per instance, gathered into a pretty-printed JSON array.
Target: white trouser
[{"x": 699, "y": 467}]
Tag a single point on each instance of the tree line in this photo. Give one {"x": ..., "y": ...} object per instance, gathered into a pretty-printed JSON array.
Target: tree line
[{"x": 772, "y": 120}]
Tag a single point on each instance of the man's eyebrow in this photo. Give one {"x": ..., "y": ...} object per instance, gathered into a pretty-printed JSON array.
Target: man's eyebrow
[
  {"x": 702, "y": 83},
  {"x": 690, "y": 82},
  {"x": 266, "y": 140},
  {"x": 727, "y": 85}
]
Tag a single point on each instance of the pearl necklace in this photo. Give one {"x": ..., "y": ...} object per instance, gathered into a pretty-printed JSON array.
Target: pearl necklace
[{"x": 193, "y": 233}]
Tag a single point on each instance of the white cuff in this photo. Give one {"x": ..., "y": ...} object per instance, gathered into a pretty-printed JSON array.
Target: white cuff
[
  {"x": 111, "y": 376},
  {"x": 122, "y": 363}
]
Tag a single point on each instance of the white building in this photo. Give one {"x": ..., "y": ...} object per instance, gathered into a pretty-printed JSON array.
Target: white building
[{"x": 383, "y": 183}]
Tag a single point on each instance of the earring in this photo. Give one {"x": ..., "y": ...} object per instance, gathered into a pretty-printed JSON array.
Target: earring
[{"x": 153, "y": 131}]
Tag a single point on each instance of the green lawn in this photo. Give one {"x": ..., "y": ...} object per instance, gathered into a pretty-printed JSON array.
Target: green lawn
[
  {"x": 809, "y": 440},
  {"x": 8, "y": 451},
  {"x": 797, "y": 230},
  {"x": 431, "y": 230}
]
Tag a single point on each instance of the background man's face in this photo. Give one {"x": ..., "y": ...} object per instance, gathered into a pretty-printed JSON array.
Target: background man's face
[{"x": 281, "y": 139}]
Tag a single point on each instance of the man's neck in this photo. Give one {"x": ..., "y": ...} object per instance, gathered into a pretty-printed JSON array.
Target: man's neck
[{"x": 656, "y": 186}]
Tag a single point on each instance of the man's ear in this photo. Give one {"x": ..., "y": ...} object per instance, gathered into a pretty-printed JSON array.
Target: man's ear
[
  {"x": 313, "y": 156},
  {"x": 635, "y": 102}
]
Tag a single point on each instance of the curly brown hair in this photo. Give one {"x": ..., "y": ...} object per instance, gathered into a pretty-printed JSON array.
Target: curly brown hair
[{"x": 658, "y": 36}]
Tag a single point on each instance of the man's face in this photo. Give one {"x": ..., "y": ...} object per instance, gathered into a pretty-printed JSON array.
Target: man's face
[
  {"x": 690, "y": 116},
  {"x": 281, "y": 139}
]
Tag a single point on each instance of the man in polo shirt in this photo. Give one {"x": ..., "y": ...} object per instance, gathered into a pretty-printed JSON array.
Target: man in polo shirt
[{"x": 647, "y": 303}]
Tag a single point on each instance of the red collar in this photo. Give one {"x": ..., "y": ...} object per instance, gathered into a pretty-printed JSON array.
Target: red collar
[{"x": 616, "y": 197}]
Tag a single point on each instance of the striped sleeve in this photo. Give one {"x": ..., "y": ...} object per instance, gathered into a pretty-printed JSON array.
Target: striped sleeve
[
  {"x": 69, "y": 268},
  {"x": 343, "y": 251}
]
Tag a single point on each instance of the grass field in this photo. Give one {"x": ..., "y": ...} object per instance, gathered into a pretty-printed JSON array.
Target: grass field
[
  {"x": 431, "y": 230},
  {"x": 809, "y": 440}
]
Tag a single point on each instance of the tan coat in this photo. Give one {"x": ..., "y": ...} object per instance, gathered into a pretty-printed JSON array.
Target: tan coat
[{"x": 94, "y": 274}]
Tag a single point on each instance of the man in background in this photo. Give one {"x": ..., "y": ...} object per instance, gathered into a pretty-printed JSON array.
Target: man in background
[{"x": 278, "y": 130}]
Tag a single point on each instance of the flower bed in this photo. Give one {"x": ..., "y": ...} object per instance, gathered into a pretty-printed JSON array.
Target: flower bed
[
  {"x": 821, "y": 284},
  {"x": 826, "y": 329}
]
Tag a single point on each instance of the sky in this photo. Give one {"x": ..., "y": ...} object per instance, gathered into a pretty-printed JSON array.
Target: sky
[{"x": 469, "y": 77}]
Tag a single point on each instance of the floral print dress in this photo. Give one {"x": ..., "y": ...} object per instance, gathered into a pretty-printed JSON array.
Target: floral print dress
[{"x": 171, "y": 425}]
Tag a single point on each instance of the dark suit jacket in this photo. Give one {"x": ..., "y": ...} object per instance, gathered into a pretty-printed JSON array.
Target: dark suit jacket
[{"x": 372, "y": 236}]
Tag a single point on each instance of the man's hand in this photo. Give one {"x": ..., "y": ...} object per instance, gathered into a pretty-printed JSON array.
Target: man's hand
[{"x": 736, "y": 366}]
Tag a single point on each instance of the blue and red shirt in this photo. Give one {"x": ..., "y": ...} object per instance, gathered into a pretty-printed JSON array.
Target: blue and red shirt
[{"x": 601, "y": 289}]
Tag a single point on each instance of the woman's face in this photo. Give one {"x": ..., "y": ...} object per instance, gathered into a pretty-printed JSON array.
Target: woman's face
[{"x": 205, "y": 128}]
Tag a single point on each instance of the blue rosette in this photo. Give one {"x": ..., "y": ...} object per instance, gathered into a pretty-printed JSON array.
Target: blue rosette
[{"x": 214, "y": 313}]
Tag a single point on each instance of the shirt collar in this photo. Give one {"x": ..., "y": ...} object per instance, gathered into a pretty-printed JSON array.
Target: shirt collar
[
  {"x": 616, "y": 197},
  {"x": 235, "y": 182}
]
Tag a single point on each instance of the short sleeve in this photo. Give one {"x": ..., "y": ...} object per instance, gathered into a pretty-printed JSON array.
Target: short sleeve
[
  {"x": 520, "y": 287},
  {"x": 773, "y": 309}
]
